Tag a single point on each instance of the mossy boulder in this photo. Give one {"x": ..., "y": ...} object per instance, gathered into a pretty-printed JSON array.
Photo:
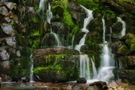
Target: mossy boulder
[
  {"x": 125, "y": 75},
  {"x": 123, "y": 50},
  {"x": 56, "y": 64},
  {"x": 130, "y": 41}
]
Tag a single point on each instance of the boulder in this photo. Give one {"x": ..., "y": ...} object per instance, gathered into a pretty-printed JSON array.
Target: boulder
[
  {"x": 126, "y": 75},
  {"x": 81, "y": 81},
  {"x": 99, "y": 85},
  {"x": 127, "y": 62},
  {"x": 123, "y": 50},
  {"x": 56, "y": 64}
]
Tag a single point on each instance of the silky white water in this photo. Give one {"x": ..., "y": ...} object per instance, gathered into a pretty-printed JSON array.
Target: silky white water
[
  {"x": 85, "y": 61},
  {"x": 94, "y": 70},
  {"x": 84, "y": 29},
  {"x": 123, "y": 31},
  {"x": 42, "y": 5},
  {"x": 49, "y": 16},
  {"x": 57, "y": 39},
  {"x": 84, "y": 66},
  {"x": 31, "y": 68},
  {"x": 105, "y": 71}
]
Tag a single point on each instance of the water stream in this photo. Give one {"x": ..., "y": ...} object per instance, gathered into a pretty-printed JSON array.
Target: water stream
[
  {"x": 105, "y": 71},
  {"x": 31, "y": 68},
  {"x": 123, "y": 31},
  {"x": 84, "y": 59},
  {"x": 49, "y": 16}
]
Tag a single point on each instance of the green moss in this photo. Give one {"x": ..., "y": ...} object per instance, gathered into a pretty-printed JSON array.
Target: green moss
[
  {"x": 129, "y": 36},
  {"x": 123, "y": 50},
  {"x": 67, "y": 19},
  {"x": 132, "y": 47},
  {"x": 75, "y": 29},
  {"x": 51, "y": 67},
  {"x": 66, "y": 16}
]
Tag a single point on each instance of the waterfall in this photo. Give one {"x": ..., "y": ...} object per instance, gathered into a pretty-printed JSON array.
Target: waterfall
[
  {"x": 72, "y": 43},
  {"x": 105, "y": 71},
  {"x": 84, "y": 66},
  {"x": 84, "y": 29},
  {"x": 49, "y": 16},
  {"x": 42, "y": 5},
  {"x": 31, "y": 68},
  {"x": 84, "y": 59},
  {"x": 123, "y": 32},
  {"x": 57, "y": 39},
  {"x": 93, "y": 68},
  {"x": 104, "y": 28}
]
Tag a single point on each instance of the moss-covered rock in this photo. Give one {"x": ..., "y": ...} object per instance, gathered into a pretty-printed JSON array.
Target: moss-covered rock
[
  {"x": 130, "y": 41},
  {"x": 56, "y": 64},
  {"x": 125, "y": 75},
  {"x": 123, "y": 50}
]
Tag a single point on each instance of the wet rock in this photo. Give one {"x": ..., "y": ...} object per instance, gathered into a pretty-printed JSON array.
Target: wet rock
[
  {"x": 58, "y": 26},
  {"x": 81, "y": 80},
  {"x": 100, "y": 85}
]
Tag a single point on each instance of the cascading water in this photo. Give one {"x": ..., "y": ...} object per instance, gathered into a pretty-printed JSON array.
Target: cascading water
[
  {"x": 49, "y": 16},
  {"x": 84, "y": 59},
  {"x": 72, "y": 46},
  {"x": 57, "y": 39},
  {"x": 31, "y": 68},
  {"x": 84, "y": 29},
  {"x": 42, "y": 5},
  {"x": 105, "y": 71},
  {"x": 123, "y": 32},
  {"x": 84, "y": 66}
]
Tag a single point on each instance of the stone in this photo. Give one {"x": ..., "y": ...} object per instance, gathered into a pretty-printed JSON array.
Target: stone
[
  {"x": 11, "y": 41},
  {"x": 99, "y": 85},
  {"x": 5, "y": 65},
  {"x": 123, "y": 50},
  {"x": 56, "y": 64},
  {"x": 8, "y": 29},
  {"x": 131, "y": 61},
  {"x": 4, "y": 54},
  {"x": 10, "y": 5},
  {"x": 81, "y": 81},
  {"x": 126, "y": 75}
]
